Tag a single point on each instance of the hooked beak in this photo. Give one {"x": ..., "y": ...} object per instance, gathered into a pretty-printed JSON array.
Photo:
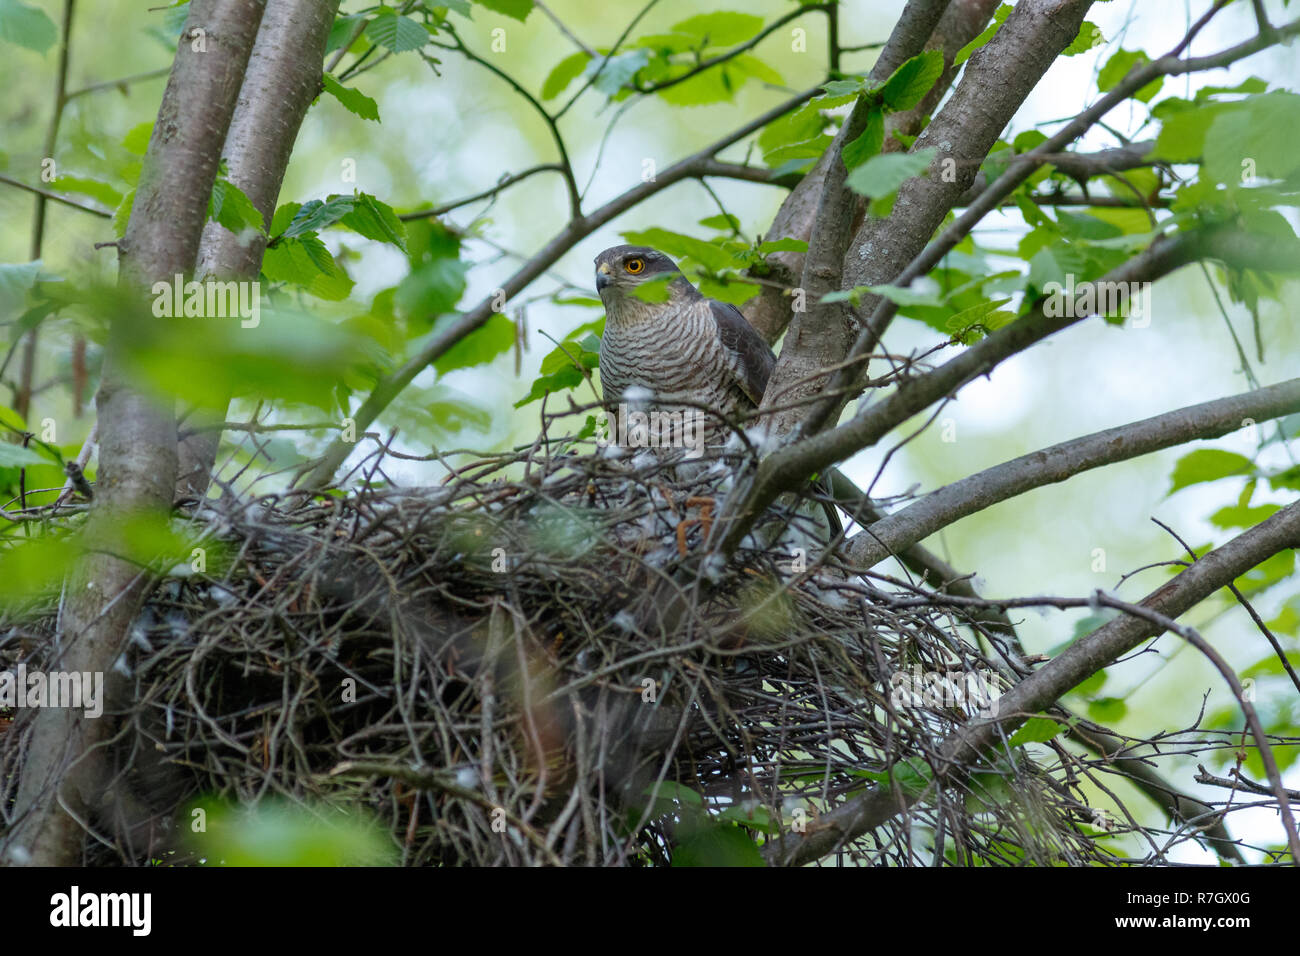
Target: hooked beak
[{"x": 603, "y": 278}]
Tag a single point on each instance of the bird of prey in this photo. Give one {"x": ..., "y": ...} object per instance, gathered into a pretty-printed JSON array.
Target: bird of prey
[{"x": 689, "y": 346}]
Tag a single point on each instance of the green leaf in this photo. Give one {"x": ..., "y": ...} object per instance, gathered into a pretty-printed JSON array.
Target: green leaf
[
  {"x": 564, "y": 73},
  {"x": 432, "y": 289},
  {"x": 568, "y": 377},
  {"x": 304, "y": 261},
  {"x": 27, "y": 26},
  {"x": 122, "y": 215},
  {"x": 16, "y": 281},
  {"x": 912, "y": 80},
  {"x": 653, "y": 290},
  {"x": 353, "y": 101},
  {"x": 717, "y": 845},
  {"x": 999, "y": 17},
  {"x": 1241, "y": 516},
  {"x": 719, "y": 29},
  {"x": 1119, "y": 66},
  {"x": 1267, "y": 573},
  {"x": 93, "y": 188},
  {"x": 312, "y": 216},
  {"x": 375, "y": 220},
  {"x": 396, "y": 33},
  {"x": 1256, "y": 135},
  {"x": 880, "y": 177},
  {"x": 1107, "y": 710},
  {"x": 1182, "y": 134},
  {"x": 723, "y": 222},
  {"x": 618, "y": 70},
  {"x": 1089, "y": 36},
  {"x": 868, "y": 144},
  {"x": 492, "y": 338},
  {"x": 1208, "y": 464},
  {"x": 16, "y": 456},
  {"x": 519, "y": 9},
  {"x": 783, "y": 245},
  {"x": 231, "y": 207},
  {"x": 1036, "y": 730},
  {"x": 137, "y": 138}
]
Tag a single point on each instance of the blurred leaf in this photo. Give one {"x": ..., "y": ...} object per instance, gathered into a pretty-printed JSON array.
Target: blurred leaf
[
  {"x": 16, "y": 456},
  {"x": 1036, "y": 730},
  {"x": 494, "y": 337},
  {"x": 564, "y": 73},
  {"x": 912, "y": 80},
  {"x": 518, "y": 9},
  {"x": 1208, "y": 464},
  {"x": 395, "y": 32},
  {"x": 16, "y": 281},
  {"x": 719, "y": 29},
  {"x": 27, "y": 26},
  {"x": 271, "y": 834},
  {"x": 721, "y": 844}
]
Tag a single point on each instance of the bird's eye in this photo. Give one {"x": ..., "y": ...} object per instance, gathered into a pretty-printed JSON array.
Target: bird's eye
[{"x": 634, "y": 265}]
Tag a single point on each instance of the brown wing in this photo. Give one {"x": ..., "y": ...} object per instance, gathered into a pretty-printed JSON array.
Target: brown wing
[{"x": 739, "y": 338}]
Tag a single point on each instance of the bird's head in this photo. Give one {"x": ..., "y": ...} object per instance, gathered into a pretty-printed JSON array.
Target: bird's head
[{"x": 620, "y": 269}]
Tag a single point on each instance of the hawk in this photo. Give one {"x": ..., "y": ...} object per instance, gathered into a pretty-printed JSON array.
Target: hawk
[{"x": 689, "y": 346}]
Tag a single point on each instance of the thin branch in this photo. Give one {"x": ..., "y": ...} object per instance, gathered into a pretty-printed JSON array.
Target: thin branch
[
  {"x": 735, "y": 51},
  {"x": 55, "y": 197},
  {"x": 505, "y": 183},
  {"x": 118, "y": 84}
]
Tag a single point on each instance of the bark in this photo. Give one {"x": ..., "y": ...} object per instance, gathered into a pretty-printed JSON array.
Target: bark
[
  {"x": 282, "y": 80},
  {"x": 64, "y": 782}
]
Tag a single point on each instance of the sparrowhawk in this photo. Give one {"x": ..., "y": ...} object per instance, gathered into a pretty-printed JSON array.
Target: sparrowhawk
[{"x": 690, "y": 346}]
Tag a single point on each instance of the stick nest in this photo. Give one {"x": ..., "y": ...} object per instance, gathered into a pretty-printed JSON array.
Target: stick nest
[{"x": 529, "y": 664}]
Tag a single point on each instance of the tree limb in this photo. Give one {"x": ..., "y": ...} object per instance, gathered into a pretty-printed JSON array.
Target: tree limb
[{"x": 948, "y": 504}]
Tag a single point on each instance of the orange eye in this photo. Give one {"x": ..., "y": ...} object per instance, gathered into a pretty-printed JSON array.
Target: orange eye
[{"x": 634, "y": 265}]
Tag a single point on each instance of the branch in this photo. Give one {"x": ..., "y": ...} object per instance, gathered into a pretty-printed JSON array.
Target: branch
[
  {"x": 942, "y": 507},
  {"x": 1041, "y": 689},
  {"x": 118, "y": 84}
]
